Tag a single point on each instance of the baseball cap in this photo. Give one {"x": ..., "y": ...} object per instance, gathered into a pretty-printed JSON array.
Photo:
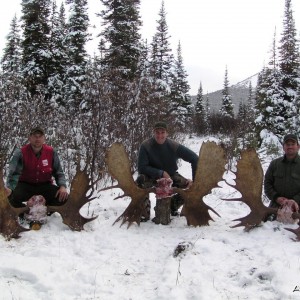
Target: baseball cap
[
  {"x": 37, "y": 130},
  {"x": 160, "y": 125},
  {"x": 290, "y": 137}
]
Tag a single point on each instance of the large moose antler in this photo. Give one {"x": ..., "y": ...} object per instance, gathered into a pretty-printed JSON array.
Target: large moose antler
[
  {"x": 249, "y": 180},
  {"x": 210, "y": 169},
  {"x": 9, "y": 226},
  {"x": 78, "y": 197},
  {"x": 119, "y": 168}
]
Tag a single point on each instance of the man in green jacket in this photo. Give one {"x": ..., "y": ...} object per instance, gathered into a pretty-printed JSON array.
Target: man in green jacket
[{"x": 282, "y": 179}]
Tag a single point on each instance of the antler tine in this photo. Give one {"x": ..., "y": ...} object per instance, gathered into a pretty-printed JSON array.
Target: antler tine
[
  {"x": 295, "y": 231},
  {"x": 194, "y": 208},
  {"x": 78, "y": 197},
  {"x": 119, "y": 168},
  {"x": 249, "y": 178},
  {"x": 9, "y": 226}
]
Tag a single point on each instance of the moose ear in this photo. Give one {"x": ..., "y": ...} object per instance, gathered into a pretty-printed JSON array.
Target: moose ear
[
  {"x": 78, "y": 197},
  {"x": 9, "y": 225},
  {"x": 119, "y": 168}
]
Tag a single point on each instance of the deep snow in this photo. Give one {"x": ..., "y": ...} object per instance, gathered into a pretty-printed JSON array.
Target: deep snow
[{"x": 113, "y": 262}]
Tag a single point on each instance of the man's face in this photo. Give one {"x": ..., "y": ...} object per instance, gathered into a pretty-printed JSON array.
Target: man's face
[
  {"x": 36, "y": 140},
  {"x": 160, "y": 135},
  {"x": 290, "y": 148}
]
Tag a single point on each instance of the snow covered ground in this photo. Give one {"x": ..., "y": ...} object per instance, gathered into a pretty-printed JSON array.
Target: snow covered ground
[{"x": 112, "y": 262}]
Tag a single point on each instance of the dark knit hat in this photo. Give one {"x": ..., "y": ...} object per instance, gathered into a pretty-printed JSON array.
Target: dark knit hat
[
  {"x": 37, "y": 130},
  {"x": 290, "y": 137},
  {"x": 160, "y": 125}
]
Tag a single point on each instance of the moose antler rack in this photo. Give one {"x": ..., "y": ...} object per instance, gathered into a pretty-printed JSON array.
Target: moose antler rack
[
  {"x": 249, "y": 180},
  {"x": 9, "y": 225},
  {"x": 210, "y": 169},
  {"x": 194, "y": 209},
  {"x": 119, "y": 168},
  {"x": 70, "y": 211}
]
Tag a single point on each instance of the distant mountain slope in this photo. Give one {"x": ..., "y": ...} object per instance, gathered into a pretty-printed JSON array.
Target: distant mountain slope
[{"x": 239, "y": 93}]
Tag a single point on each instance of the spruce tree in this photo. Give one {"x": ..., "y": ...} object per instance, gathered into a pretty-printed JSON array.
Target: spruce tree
[
  {"x": 122, "y": 24},
  {"x": 227, "y": 105},
  {"x": 200, "y": 111},
  {"x": 76, "y": 39},
  {"x": 263, "y": 104},
  {"x": 207, "y": 116},
  {"x": 12, "y": 92},
  {"x": 179, "y": 96},
  {"x": 35, "y": 44},
  {"x": 161, "y": 56},
  {"x": 250, "y": 107},
  {"x": 11, "y": 59},
  {"x": 59, "y": 55},
  {"x": 289, "y": 68},
  {"x": 161, "y": 63}
]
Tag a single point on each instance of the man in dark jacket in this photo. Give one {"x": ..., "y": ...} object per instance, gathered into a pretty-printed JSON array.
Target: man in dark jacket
[
  {"x": 158, "y": 159},
  {"x": 282, "y": 179},
  {"x": 31, "y": 172}
]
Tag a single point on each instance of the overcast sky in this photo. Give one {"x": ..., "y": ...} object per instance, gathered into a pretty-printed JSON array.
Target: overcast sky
[{"x": 213, "y": 34}]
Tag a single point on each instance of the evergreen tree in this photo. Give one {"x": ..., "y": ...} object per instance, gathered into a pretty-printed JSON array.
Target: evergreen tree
[
  {"x": 59, "y": 55},
  {"x": 122, "y": 24},
  {"x": 11, "y": 59},
  {"x": 207, "y": 116},
  {"x": 12, "y": 92},
  {"x": 199, "y": 106},
  {"x": 161, "y": 57},
  {"x": 250, "y": 107},
  {"x": 200, "y": 111},
  {"x": 179, "y": 97},
  {"x": 35, "y": 44},
  {"x": 271, "y": 109},
  {"x": 77, "y": 36},
  {"x": 263, "y": 105},
  {"x": 161, "y": 62},
  {"x": 289, "y": 67},
  {"x": 227, "y": 105},
  {"x": 242, "y": 112}
]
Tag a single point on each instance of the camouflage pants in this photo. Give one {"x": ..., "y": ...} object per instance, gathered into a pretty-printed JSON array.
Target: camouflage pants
[{"x": 144, "y": 182}]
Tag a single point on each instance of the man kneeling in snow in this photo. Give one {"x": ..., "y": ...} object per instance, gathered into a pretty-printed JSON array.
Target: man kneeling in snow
[
  {"x": 158, "y": 159},
  {"x": 31, "y": 172},
  {"x": 282, "y": 180}
]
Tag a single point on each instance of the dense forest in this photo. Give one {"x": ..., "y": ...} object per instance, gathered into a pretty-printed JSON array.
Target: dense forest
[{"x": 86, "y": 103}]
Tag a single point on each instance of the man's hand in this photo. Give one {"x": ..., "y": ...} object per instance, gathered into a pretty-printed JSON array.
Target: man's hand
[
  {"x": 284, "y": 202},
  {"x": 62, "y": 194}
]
